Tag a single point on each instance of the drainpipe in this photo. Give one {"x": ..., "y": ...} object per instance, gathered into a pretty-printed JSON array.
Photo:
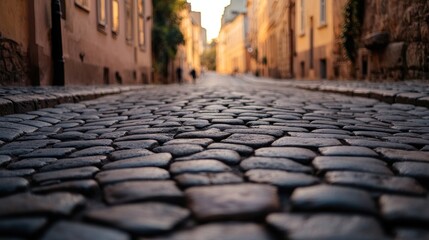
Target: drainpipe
[{"x": 57, "y": 44}]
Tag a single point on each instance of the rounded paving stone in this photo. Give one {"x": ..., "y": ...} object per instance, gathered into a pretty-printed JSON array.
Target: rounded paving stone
[
  {"x": 22, "y": 226},
  {"x": 198, "y": 166},
  {"x": 251, "y": 140},
  {"x": 241, "y": 149},
  {"x": 224, "y": 231},
  {"x": 348, "y": 151},
  {"x": 326, "y": 226},
  {"x": 142, "y": 218},
  {"x": 132, "y": 191},
  {"x": 67, "y": 174},
  {"x": 223, "y": 155},
  {"x": 240, "y": 201},
  {"x": 359, "y": 164},
  {"x": 403, "y": 155},
  {"x": 300, "y": 155},
  {"x": 153, "y": 160},
  {"x": 376, "y": 182},
  {"x": 74, "y": 163},
  {"x": 405, "y": 209},
  {"x": 334, "y": 198},
  {"x": 274, "y": 164},
  {"x": 202, "y": 179},
  {"x": 85, "y": 187},
  {"x": 27, "y": 204},
  {"x": 281, "y": 179},
  {"x": 138, "y": 144},
  {"x": 120, "y": 175},
  {"x": 179, "y": 150},
  {"x": 13, "y": 185},
  {"x": 129, "y": 153},
  {"x": 419, "y": 170},
  {"x": 92, "y": 151},
  {"x": 66, "y": 230},
  {"x": 305, "y": 142}
]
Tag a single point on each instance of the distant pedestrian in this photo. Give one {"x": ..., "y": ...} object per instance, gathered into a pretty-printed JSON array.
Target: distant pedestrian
[
  {"x": 179, "y": 74},
  {"x": 193, "y": 73}
]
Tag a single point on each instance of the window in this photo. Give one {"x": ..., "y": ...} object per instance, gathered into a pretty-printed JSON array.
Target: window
[
  {"x": 302, "y": 17},
  {"x": 101, "y": 14},
  {"x": 129, "y": 20},
  {"x": 63, "y": 9},
  {"x": 115, "y": 17},
  {"x": 322, "y": 12},
  {"x": 141, "y": 23},
  {"x": 83, "y": 4}
]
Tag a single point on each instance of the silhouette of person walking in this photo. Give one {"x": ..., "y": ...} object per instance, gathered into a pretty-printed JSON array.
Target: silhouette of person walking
[
  {"x": 193, "y": 73},
  {"x": 179, "y": 74}
]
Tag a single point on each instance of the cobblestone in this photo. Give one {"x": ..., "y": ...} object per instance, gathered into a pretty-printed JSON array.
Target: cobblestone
[{"x": 193, "y": 161}]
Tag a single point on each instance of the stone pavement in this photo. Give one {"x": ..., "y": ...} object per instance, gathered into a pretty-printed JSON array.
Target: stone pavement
[
  {"x": 408, "y": 92},
  {"x": 222, "y": 159}
]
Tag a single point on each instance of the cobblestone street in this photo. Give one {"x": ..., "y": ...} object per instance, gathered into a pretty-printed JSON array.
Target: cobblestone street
[{"x": 227, "y": 158}]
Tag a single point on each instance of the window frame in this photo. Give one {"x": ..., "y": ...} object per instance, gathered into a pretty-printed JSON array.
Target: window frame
[
  {"x": 101, "y": 23},
  {"x": 115, "y": 29},
  {"x": 129, "y": 20},
  {"x": 141, "y": 24},
  {"x": 83, "y": 4},
  {"x": 322, "y": 13},
  {"x": 302, "y": 18}
]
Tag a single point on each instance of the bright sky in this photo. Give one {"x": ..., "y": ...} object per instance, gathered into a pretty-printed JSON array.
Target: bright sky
[{"x": 211, "y": 14}]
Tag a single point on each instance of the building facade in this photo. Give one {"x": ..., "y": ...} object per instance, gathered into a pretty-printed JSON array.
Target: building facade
[
  {"x": 316, "y": 38},
  {"x": 103, "y": 42},
  {"x": 232, "y": 49}
]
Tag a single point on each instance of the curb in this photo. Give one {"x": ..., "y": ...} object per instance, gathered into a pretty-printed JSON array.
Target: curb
[
  {"x": 356, "y": 88},
  {"x": 27, "y": 102}
]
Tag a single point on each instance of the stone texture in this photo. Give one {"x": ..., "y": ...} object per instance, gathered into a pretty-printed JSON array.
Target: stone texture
[
  {"x": 403, "y": 155},
  {"x": 376, "y": 182},
  {"x": 120, "y": 175},
  {"x": 199, "y": 166},
  {"x": 67, "y": 174},
  {"x": 73, "y": 163},
  {"x": 348, "y": 151},
  {"x": 332, "y": 198},
  {"x": 72, "y": 230},
  {"x": 358, "y": 164},
  {"x": 202, "y": 179},
  {"x": 242, "y": 201},
  {"x": 180, "y": 150},
  {"x": 142, "y": 218},
  {"x": 129, "y": 153},
  {"x": 326, "y": 226},
  {"x": 300, "y": 155},
  {"x": 21, "y": 226},
  {"x": 224, "y": 231},
  {"x": 281, "y": 179},
  {"x": 153, "y": 160},
  {"x": 223, "y": 155},
  {"x": 405, "y": 209},
  {"x": 138, "y": 144},
  {"x": 417, "y": 170},
  {"x": 274, "y": 164},
  {"x": 305, "y": 142},
  {"x": 26, "y": 204},
  {"x": 132, "y": 191},
  {"x": 241, "y": 149},
  {"x": 251, "y": 140},
  {"x": 86, "y": 187},
  {"x": 13, "y": 185}
]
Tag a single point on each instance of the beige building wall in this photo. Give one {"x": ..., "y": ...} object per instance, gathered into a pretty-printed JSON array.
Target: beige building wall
[
  {"x": 93, "y": 53},
  {"x": 316, "y": 39},
  {"x": 232, "y": 52}
]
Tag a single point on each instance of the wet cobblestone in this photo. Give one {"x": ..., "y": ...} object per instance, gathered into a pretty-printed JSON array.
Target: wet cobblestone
[{"x": 222, "y": 159}]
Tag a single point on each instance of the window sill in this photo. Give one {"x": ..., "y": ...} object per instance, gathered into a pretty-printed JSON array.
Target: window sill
[
  {"x": 102, "y": 28},
  {"x": 81, "y": 7},
  {"x": 323, "y": 25},
  {"x": 301, "y": 34}
]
